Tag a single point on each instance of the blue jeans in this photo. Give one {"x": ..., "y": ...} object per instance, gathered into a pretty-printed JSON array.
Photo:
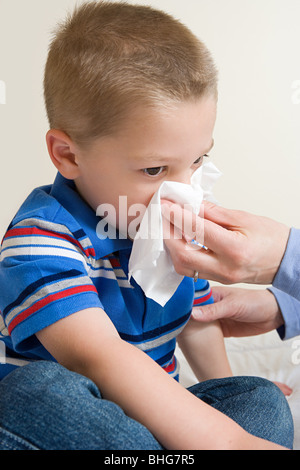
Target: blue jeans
[{"x": 43, "y": 406}]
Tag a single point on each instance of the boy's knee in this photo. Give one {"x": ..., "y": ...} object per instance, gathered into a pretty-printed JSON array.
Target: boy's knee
[
  {"x": 257, "y": 404},
  {"x": 269, "y": 404},
  {"x": 281, "y": 419}
]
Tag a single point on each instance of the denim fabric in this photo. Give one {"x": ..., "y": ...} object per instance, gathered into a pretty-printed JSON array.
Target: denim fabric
[
  {"x": 43, "y": 406},
  {"x": 253, "y": 402}
]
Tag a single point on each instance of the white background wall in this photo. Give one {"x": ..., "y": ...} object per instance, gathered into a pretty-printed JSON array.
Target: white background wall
[{"x": 256, "y": 45}]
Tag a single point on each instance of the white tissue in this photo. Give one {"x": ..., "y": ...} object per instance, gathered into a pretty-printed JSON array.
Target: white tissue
[{"x": 150, "y": 263}]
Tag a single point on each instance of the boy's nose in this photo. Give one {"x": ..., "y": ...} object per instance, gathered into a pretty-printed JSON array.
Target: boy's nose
[{"x": 183, "y": 178}]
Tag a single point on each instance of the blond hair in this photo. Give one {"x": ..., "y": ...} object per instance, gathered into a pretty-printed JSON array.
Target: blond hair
[{"x": 107, "y": 58}]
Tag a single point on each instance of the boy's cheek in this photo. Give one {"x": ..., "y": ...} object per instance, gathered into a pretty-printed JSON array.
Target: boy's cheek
[{"x": 122, "y": 216}]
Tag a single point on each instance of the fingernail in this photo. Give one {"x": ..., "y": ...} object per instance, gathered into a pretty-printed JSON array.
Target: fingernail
[
  {"x": 187, "y": 238},
  {"x": 197, "y": 313}
]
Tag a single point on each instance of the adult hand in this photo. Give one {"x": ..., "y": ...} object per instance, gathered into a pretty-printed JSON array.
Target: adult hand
[
  {"x": 241, "y": 247},
  {"x": 241, "y": 312}
]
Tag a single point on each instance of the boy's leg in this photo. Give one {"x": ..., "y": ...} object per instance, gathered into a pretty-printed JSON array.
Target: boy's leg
[
  {"x": 253, "y": 402},
  {"x": 45, "y": 406}
]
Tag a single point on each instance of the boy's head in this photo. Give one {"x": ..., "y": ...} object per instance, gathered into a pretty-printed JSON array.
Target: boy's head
[
  {"x": 131, "y": 98},
  {"x": 108, "y": 58}
]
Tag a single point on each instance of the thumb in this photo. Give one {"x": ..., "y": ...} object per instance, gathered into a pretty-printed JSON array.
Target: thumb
[{"x": 211, "y": 312}]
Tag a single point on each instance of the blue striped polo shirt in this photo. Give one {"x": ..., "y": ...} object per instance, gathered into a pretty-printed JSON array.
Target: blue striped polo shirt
[{"x": 53, "y": 264}]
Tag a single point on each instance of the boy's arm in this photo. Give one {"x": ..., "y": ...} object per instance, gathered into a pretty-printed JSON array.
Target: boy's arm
[
  {"x": 88, "y": 343},
  {"x": 203, "y": 347}
]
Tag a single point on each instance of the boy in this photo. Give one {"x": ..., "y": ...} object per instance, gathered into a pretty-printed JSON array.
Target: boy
[{"x": 131, "y": 100}]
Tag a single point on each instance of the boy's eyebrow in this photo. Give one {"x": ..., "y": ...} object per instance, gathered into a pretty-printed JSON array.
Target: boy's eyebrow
[
  {"x": 156, "y": 158},
  {"x": 165, "y": 158}
]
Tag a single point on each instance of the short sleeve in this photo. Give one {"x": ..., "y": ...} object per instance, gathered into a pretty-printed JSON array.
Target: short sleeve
[
  {"x": 43, "y": 278},
  {"x": 203, "y": 293}
]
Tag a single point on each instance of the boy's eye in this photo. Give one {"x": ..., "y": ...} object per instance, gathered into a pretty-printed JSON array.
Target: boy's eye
[
  {"x": 199, "y": 160},
  {"x": 155, "y": 171}
]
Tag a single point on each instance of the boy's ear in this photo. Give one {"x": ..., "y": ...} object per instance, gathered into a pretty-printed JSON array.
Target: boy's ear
[{"x": 62, "y": 151}]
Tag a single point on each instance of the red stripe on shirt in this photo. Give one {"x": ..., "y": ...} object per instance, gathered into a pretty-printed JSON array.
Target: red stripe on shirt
[
  {"x": 171, "y": 367},
  {"x": 202, "y": 299},
  {"x": 16, "y": 232},
  {"x": 115, "y": 263},
  {"x": 48, "y": 300}
]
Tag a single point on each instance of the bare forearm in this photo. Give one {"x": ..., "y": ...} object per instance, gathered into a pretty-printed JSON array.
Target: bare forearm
[
  {"x": 204, "y": 348},
  {"x": 88, "y": 343},
  {"x": 177, "y": 418},
  {"x": 146, "y": 393}
]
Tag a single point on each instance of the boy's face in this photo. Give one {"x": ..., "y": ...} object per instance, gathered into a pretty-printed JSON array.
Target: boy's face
[{"x": 151, "y": 147}]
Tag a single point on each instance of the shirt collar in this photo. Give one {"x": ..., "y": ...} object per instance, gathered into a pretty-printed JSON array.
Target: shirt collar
[{"x": 64, "y": 191}]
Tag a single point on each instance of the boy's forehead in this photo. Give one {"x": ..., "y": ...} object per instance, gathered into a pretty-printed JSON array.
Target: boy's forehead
[
  {"x": 165, "y": 158},
  {"x": 161, "y": 137}
]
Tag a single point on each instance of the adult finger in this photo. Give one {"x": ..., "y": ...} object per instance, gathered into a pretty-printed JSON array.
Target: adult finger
[
  {"x": 227, "y": 218},
  {"x": 205, "y": 232},
  {"x": 183, "y": 219},
  {"x": 212, "y": 312}
]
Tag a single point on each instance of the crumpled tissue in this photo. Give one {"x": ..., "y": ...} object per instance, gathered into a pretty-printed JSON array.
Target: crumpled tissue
[{"x": 150, "y": 264}]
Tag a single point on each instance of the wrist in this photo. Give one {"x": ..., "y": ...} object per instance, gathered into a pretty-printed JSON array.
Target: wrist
[
  {"x": 273, "y": 309},
  {"x": 275, "y": 255}
]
